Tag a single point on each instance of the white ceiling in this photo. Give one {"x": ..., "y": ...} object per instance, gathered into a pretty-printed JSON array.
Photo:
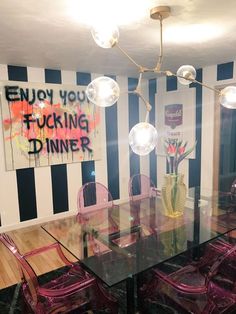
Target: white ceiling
[{"x": 50, "y": 34}]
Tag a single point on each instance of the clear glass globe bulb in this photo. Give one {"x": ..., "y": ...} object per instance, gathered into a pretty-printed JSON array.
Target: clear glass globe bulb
[
  {"x": 105, "y": 36},
  {"x": 188, "y": 72},
  {"x": 228, "y": 97},
  {"x": 143, "y": 138},
  {"x": 103, "y": 91}
]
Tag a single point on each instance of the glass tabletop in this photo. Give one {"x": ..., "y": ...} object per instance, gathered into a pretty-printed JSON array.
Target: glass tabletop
[{"x": 133, "y": 237}]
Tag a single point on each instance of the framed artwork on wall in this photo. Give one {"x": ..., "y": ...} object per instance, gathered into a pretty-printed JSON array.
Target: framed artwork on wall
[
  {"x": 47, "y": 124},
  {"x": 176, "y": 118}
]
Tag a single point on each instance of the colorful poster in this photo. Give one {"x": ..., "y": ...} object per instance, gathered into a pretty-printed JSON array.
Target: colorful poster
[{"x": 47, "y": 124}]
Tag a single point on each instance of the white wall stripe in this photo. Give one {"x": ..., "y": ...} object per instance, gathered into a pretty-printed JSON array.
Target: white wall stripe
[
  {"x": 123, "y": 131},
  {"x": 36, "y": 75},
  {"x": 9, "y": 208},
  {"x": 43, "y": 184},
  {"x": 74, "y": 182},
  {"x": 161, "y": 161},
  {"x": 74, "y": 174},
  {"x": 161, "y": 171},
  {"x": 3, "y": 72},
  {"x": 101, "y": 165},
  {"x": 68, "y": 77},
  {"x": 155, "y": 117},
  {"x": 184, "y": 165},
  {"x": 234, "y": 71},
  {"x": 144, "y": 160}
]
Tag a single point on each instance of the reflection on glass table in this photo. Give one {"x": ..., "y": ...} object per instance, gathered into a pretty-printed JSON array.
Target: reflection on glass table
[{"x": 145, "y": 237}]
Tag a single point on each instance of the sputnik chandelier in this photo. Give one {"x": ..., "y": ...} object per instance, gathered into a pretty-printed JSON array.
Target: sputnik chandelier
[{"x": 104, "y": 91}]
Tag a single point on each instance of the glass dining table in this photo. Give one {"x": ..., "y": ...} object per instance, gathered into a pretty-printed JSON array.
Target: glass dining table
[{"x": 120, "y": 243}]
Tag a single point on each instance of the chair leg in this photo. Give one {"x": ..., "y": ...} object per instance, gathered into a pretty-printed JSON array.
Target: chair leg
[
  {"x": 103, "y": 297},
  {"x": 148, "y": 289}
]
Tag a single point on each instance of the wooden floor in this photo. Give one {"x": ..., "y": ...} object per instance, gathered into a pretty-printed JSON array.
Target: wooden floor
[{"x": 26, "y": 240}]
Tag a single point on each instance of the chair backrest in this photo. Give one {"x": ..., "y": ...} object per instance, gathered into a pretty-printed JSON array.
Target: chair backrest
[
  {"x": 223, "y": 272},
  {"x": 27, "y": 273},
  {"x": 140, "y": 187},
  {"x": 233, "y": 190},
  {"x": 93, "y": 196}
]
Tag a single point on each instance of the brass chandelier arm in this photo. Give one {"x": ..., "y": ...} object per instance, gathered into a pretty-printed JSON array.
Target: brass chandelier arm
[
  {"x": 147, "y": 117},
  {"x": 209, "y": 87},
  {"x": 129, "y": 57},
  {"x": 146, "y": 103},
  {"x": 160, "y": 57},
  {"x": 137, "y": 91},
  {"x": 138, "y": 87},
  {"x": 140, "y": 67},
  {"x": 169, "y": 73}
]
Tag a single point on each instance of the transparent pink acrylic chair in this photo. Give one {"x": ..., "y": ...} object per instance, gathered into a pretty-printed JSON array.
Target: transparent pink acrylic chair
[
  {"x": 74, "y": 289},
  {"x": 204, "y": 287},
  {"x": 94, "y": 198},
  {"x": 140, "y": 187},
  {"x": 227, "y": 202},
  {"x": 228, "y": 199}
]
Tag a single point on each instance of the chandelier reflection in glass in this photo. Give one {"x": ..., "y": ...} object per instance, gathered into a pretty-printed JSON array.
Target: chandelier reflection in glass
[{"x": 104, "y": 91}]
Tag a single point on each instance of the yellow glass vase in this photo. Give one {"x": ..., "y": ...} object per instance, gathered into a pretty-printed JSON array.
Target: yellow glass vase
[{"x": 173, "y": 195}]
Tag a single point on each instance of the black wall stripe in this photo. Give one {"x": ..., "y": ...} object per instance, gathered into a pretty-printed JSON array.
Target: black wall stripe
[
  {"x": 133, "y": 119},
  {"x": 225, "y": 71},
  {"x": 87, "y": 167},
  {"x": 171, "y": 83},
  {"x": 152, "y": 157},
  {"x": 112, "y": 150},
  {"x": 58, "y": 172},
  {"x": 26, "y": 194},
  {"x": 227, "y": 167},
  {"x": 195, "y": 164},
  {"x": 52, "y": 76},
  {"x": 25, "y": 177},
  {"x": 17, "y": 73}
]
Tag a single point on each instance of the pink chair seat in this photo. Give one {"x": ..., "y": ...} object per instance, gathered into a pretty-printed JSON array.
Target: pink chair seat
[
  {"x": 207, "y": 286},
  {"x": 73, "y": 289},
  {"x": 66, "y": 292}
]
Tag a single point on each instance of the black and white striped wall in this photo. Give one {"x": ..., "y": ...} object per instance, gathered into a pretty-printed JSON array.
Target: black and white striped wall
[{"x": 35, "y": 194}]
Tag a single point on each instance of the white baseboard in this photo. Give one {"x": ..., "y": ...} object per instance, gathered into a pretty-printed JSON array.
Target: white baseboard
[{"x": 36, "y": 221}]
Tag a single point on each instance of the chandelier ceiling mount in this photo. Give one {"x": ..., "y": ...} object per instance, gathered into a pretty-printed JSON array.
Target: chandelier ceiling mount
[{"x": 160, "y": 12}]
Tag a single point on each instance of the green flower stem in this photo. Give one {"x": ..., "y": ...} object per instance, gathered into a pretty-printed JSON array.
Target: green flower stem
[{"x": 174, "y": 192}]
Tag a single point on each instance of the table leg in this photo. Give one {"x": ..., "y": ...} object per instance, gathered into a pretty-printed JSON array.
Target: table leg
[
  {"x": 139, "y": 283},
  {"x": 196, "y": 227},
  {"x": 130, "y": 295},
  {"x": 85, "y": 244}
]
